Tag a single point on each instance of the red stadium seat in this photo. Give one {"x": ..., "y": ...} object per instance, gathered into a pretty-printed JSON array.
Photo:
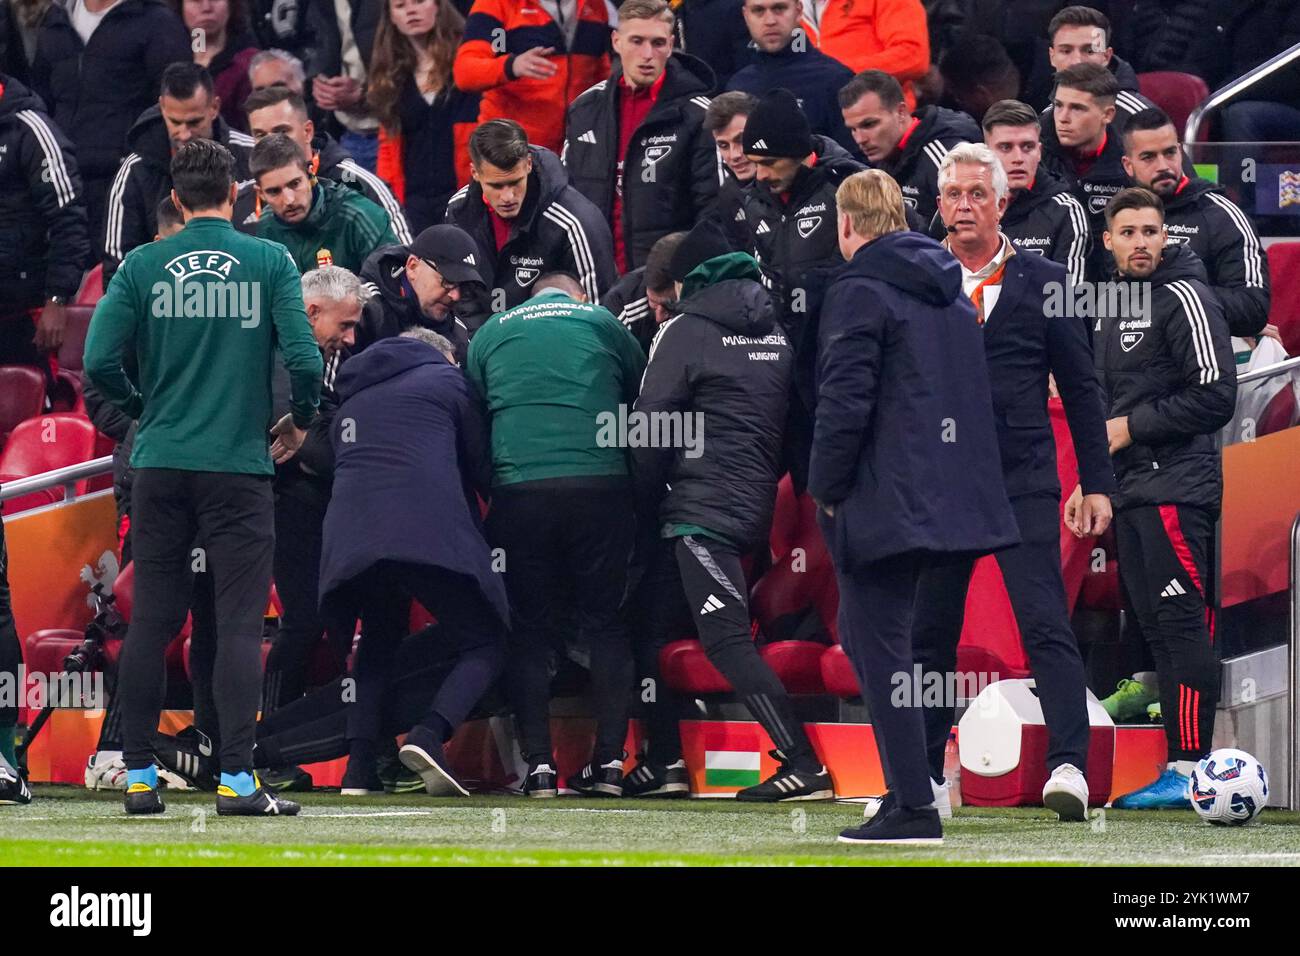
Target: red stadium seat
[
  {"x": 1177, "y": 94},
  {"x": 688, "y": 670},
  {"x": 797, "y": 664},
  {"x": 73, "y": 348},
  {"x": 66, "y": 395},
  {"x": 1279, "y": 413},
  {"x": 46, "y": 649},
  {"x": 837, "y": 673},
  {"x": 92, "y": 287},
  {"x": 1284, "y": 272},
  {"x": 22, "y": 395},
  {"x": 43, "y": 444}
]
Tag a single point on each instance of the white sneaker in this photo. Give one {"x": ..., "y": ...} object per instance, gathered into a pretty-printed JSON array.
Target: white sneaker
[
  {"x": 1066, "y": 793},
  {"x": 105, "y": 770},
  {"x": 942, "y": 801}
]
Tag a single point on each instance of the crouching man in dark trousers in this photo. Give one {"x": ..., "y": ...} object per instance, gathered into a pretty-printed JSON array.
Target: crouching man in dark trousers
[
  {"x": 718, "y": 378},
  {"x": 905, "y": 466},
  {"x": 201, "y": 501},
  {"x": 1171, "y": 383},
  {"x": 403, "y": 523}
]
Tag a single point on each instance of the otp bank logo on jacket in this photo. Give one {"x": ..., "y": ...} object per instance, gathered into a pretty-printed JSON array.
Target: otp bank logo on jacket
[{"x": 200, "y": 288}]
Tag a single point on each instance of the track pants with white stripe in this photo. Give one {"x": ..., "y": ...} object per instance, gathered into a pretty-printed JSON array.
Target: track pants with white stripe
[
  {"x": 1165, "y": 562},
  {"x": 700, "y": 579}
]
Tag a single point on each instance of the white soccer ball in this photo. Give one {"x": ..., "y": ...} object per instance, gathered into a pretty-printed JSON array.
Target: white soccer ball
[{"x": 1229, "y": 788}]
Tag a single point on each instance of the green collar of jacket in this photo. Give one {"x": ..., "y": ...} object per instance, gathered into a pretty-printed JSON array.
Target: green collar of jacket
[{"x": 733, "y": 265}]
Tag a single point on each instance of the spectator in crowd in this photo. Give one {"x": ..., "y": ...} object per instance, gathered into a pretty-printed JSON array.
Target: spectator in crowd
[
  {"x": 894, "y": 497},
  {"x": 789, "y": 211},
  {"x": 977, "y": 72},
  {"x": 279, "y": 68},
  {"x": 44, "y": 247},
  {"x": 304, "y": 477},
  {"x": 320, "y": 222},
  {"x": 20, "y": 21},
  {"x": 96, "y": 94},
  {"x": 292, "y": 28},
  {"x": 1043, "y": 218},
  {"x": 785, "y": 57},
  {"x": 201, "y": 459},
  {"x": 1169, "y": 388},
  {"x": 1157, "y": 34},
  {"x": 412, "y": 430},
  {"x": 1081, "y": 149},
  {"x": 425, "y": 120},
  {"x": 187, "y": 109},
  {"x": 635, "y": 145},
  {"x": 1082, "y": 35},
  {"x": 725, "y": 120},
  {"x": 224, "y": 44},
  {"x": 1025, "y": 343},
  {"x": 345, "y": 36},
  {"x": 530, "y": 63},
  {"x": 550, "y": 372},
  {"x": 644, "y": 298},
  {"x": 713, "y": 31},
  {"x": 1233, "y": 39},
  {"x": 885, "y": 35},
  {"x": 738, "y": 398},
  {"x": 1198, "y": 215},
  {"x": 908, "y": 146},
  {"x": 422, "y": 284},
  {"x": 280, "y": 110},
  {"x": 526, "y": 219}
]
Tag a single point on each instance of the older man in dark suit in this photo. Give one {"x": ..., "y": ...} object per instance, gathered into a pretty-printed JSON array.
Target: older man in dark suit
[
  {"x": 904, "y": 465},
  {"x": 1026, "y": 340}
]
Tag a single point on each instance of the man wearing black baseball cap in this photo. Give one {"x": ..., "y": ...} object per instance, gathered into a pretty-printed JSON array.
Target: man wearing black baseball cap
[{"x": 433, "y": 283}]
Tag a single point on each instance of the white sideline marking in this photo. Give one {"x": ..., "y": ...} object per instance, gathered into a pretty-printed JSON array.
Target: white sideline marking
[{"x": 377, "y": 813}]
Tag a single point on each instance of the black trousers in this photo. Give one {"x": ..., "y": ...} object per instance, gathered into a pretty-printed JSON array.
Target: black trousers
[
  {"x": 18, "y": 341},
  {"x": 11, "y": 653},
  {"x": 698, "y": 582},
  {"x": 315, "y": 727},
  {"x": 230, "y": 517},
  {"x": 1032, "y": 572},
  {"x": 299, "y": 520},
  {"x": 875, "y": 623},
  {"x": 1165, "y": 564},
  {"x": 469, "y": 631},
  {"x": 571, "y": 538}
]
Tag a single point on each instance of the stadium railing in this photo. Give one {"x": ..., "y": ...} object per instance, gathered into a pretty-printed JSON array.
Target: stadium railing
[
  {"x": 66, "y": 478},
  {"x": 1242, "y": 83}
]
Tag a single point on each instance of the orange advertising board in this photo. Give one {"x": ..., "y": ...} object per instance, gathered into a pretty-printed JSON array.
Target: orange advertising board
[{"x": 1261, "y": 495}]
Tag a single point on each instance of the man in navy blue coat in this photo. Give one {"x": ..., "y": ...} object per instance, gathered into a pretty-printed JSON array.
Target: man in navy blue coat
[
  {"x": 1029, "y": 335},
  {"x": 905, "y": 466},
  {"x": 403, "y": 523}
]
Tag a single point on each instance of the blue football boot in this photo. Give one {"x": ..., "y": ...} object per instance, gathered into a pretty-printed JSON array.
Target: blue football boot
[{"x": 1168, "y": 792}]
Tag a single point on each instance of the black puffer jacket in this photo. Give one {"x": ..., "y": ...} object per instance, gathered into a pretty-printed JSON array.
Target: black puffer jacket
[
  {"x": 723, "y": 363},
  {"x": 1169, "y": 367},
  {"x": 43, "y": 243},
  {"x": 671, "y": 166},
  {"x": 392, "y": 307},
  {"x": 96, "y": 90},
  {"x": 145, "y": 177},
  {"x": 557, "y": 229},
  {"x": 1204, "y": 219}
]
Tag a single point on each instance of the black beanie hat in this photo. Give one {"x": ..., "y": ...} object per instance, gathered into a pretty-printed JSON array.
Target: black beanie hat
[
  {"x": 777, "y": 127},
  {"x": 706, "y": 241}
]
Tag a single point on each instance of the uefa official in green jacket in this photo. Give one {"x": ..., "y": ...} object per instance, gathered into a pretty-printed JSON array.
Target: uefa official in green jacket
[
  {"x": 319, "y": 221},
  {"x": 200, "y": 315},
  {"x": 557, "y": 376}
]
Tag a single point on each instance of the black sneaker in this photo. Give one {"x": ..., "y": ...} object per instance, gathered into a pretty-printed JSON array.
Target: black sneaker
[
  {"x": 790, "y": 784},
  {"x": 361, "y": 782},
  {"x": 541, "y": 781},
  {"x": 13, "y": 788},
  {"x": 605, "y": 780},
  {"x": 189, "y": 755},
  {"x": 423, "y": 754},
  {"x": 657, "y": 780},
  {"x": 142, "y": 798},
  {"x": 281, "y": 779},
  {"x": 261, "y": 802},
  {"x": 899, "y": 825}
]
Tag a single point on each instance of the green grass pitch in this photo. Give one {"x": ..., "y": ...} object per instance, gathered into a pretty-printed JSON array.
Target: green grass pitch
[{"x": 68, "y": 826}]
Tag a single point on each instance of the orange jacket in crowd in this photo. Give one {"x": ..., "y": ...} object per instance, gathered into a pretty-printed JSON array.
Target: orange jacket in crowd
[
  {"x": 498, "y": 30},
  {"x": 887, "y": 35}
]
